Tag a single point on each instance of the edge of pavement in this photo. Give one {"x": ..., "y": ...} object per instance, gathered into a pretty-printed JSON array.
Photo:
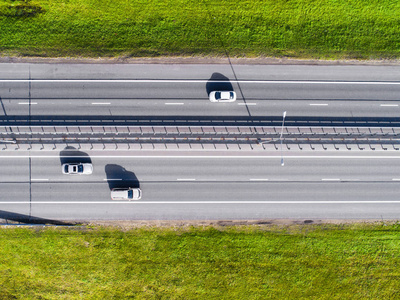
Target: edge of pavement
[
  {"x": 261, "y": 224},
  {"x": 195, "y": 60}
]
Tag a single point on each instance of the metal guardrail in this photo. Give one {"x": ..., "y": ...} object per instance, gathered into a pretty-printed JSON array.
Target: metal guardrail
[{"x": 198, "y": 134}]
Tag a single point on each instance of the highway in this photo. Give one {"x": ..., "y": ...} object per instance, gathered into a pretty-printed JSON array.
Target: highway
[
  {"x": 143, "y": 90},
  {"x": 202, "y": 185},
  {"x": 187, "y": 187}
]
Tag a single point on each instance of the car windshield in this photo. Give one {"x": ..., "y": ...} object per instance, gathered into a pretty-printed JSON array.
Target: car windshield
[
  {"x": 130, "y": 194},
  {"x": 218, "y": 95},
  {"x": 80, "y": 169}
]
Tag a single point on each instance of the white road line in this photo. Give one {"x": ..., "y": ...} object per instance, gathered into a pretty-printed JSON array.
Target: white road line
[
  {"x": 247, "y": 103},
  {"x": 27, "y": 103},
  {"x": 206, "y": 202},
  {"x": 186, "y": 179},
  {"x": 396, "y": 179},
  {"x": 101, "y": 103},
  {"x": 258, "y": 179},
  {"x": 205, "y": 156},
  {"x": 200, "y": 81},
  {"x": 319, "y": 104},
  {"x": 177, "y": 103},
  {"x": 40, "y": 179},
  {"x": 389, "y": 105},
  {"x": 330, "y": 179},
  {"x": 108, "y": 179}
]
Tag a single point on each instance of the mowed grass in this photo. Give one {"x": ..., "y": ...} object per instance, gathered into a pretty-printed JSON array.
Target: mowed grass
[
  {"x": 360, "y": 29},
  {"x": 294, "y": 262}
]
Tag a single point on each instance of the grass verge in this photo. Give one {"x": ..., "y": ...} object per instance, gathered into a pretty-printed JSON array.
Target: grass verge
[
  {"x": 355, "y": 261},
  {"x": 330, "y": 29}
]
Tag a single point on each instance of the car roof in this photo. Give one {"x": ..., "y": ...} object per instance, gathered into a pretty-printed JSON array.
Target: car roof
[
  {"x": 225, "y": 95},
  {"x": 120, "y": 193}
]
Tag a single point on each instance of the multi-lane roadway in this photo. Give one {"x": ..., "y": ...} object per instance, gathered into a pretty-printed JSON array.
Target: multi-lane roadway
[
  {"x": 202, "y": 187},
  {"x": 198, "y": 186},
  {"x": 157, "y": 90}
]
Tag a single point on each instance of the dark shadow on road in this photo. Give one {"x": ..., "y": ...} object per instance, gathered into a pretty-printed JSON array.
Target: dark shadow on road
[
  {"x": 2, "y": 106},
  {"x": 193, "y": 120},
  {"x": 223, "y": 83},
  {"x": 119, "y": 177},
  {"x": 72, "y": 155},
  {"x": 10, "y": 217}
]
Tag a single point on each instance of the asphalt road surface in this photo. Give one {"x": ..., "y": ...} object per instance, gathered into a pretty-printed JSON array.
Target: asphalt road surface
[
  {"x": 182, "y": 90},
  {"x": 195, "y": 188},
  {"x": 191, "y": 188}
]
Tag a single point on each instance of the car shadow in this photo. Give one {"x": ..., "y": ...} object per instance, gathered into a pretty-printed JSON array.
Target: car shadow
[
  {"x": 71, "y": 155},
  {"x": 223, "y": 83},
  {"x": 119, "y": 177}
]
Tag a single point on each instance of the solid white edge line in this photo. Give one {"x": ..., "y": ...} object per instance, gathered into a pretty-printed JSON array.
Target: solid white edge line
[
  {"x": 319, "y": 104},
  {"x": 389, "y": 105},
  {"x": 207, "y": 157},
  {"x": 208, "y": 202},
  {"x": 101, "y": 103},
  {"x": 330, "y": 179},
  {"x": 200, "y": 81},
  {"x": 185, "y": 179},
  {"x": 27, "y": 103},
  {"x": 396, "y": 179}
]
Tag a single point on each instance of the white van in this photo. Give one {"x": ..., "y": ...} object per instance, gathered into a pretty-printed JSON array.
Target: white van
[{"x": 126, "y": 194}]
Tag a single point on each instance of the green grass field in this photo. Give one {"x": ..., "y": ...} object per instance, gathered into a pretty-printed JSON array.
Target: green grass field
[
  {"x": 293, "y": 262},
  {"x": 360, "y": 29}
]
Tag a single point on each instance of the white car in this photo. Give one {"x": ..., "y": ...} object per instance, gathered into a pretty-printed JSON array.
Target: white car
[
  {"x": 77, "y": 169},
  {"x": 126, "y": 194},
  {"x": 222, "y": 96}
]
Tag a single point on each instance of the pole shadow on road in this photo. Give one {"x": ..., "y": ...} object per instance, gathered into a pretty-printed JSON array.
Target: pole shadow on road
[
  {"x": 21, "y": 218},
  {"x": 223, "y": 83},
  {"x": 119, "y": 177},
  {"x": 71, "y": 155}
]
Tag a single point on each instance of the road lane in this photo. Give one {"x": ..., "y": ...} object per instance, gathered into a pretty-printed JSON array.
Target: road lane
[
  {"x": 14, "y": 192},
  {"x": 219, "y": 169},
  {"x": 200, "y": 71},
  {"x": 217, "y": 211},
  {"x": 14, "y": 170},
  {"x": 198, "y": 108}
]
